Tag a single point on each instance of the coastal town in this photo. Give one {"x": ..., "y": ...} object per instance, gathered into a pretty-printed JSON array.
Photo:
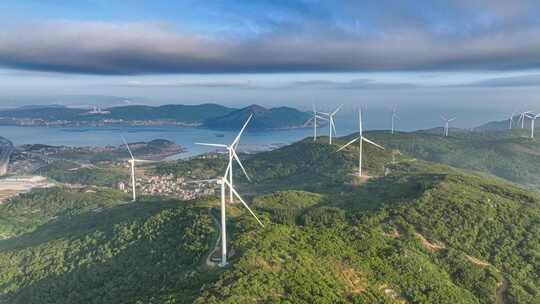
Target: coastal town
[{"x": 171, "y": 186}]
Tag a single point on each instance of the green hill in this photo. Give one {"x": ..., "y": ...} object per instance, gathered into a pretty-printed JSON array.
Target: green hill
[
  {"x": 263, "y": 119},
  {"x": 147, "y": 252},
  {"x": 207, "y": 115},
  {"x": 434, "y": 235},
  {"x": 413, "y": 232},
  {"x": 180, "y": 113},
  {"x": 509, "y": 155}
]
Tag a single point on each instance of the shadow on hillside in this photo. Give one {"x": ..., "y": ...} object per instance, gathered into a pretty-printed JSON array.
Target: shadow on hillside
[
  {"x": 390, "y": 190},
  {"x": 73, "y": 226},
  {"x": 146, "y": 265}
]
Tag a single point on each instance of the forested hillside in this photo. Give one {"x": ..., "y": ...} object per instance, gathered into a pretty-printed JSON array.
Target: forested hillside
[
  {"x": 411, "y": 232},
  {"x": 147, "y": 252},
  {"x": 509, "y": 155},
  {"x": 423, "y": 234}
]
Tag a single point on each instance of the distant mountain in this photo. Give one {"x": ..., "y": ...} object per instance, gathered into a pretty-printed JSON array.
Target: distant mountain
[
  {"x": 208, "y": 115},
  {"x": 180, "y": 113},
  {"x": 53, "y": 112},
  {"x": 263, "y": 119}
]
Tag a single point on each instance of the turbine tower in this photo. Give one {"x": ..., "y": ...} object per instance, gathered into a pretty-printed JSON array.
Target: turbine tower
[
  {"x": 232, "y": 155},
  {"x": 224, "y": 183},
  {"x": 132, "y": 162},
  {"x": 331, "y": 125},
  {"x": 447, "y": 124},
  {"x": 511, "y": 120},
  {"x": 533, "y": 119},
  {"x": 394, "y": 117},
  {"x": 360, "y": 140}
]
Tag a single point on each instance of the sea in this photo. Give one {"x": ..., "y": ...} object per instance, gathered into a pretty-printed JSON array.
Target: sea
[{"x": 251, "y": 141}]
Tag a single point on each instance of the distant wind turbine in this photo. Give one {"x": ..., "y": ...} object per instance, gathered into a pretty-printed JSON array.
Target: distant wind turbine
[
  {"x": 331, "y": 125},
  {"x": 511, "y": 120},
  {"x": 360, "y": 140},
  {"x": 232, "y": 156},
  {"x": 447, "y": 124},
  {"x": 394, "y": 116},
  {"x": 223, "y": 183},
  {"x": 132, "y": 162},
  {"x": 314, "y": 120},
  {"x": 533, "y": 119},
  {"x": 522, "y": 116}
]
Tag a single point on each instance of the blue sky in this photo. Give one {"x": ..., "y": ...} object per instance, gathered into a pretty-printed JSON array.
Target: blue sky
[{"x": 461, "y": 53}]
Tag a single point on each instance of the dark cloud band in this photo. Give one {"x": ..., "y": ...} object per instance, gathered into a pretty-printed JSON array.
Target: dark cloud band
[{"x": 131, "y": 49}]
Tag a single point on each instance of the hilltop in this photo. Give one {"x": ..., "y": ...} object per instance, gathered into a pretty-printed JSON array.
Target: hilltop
[
  {"x": 507, "y": 154},
  {"x": 263, "y": 119}
]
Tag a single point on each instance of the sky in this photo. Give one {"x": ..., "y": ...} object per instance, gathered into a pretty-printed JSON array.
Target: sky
[{"x": 482, "y": 55}]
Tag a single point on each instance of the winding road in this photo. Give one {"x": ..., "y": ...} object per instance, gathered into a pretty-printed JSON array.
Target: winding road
[{"x": 217, "y": 245}]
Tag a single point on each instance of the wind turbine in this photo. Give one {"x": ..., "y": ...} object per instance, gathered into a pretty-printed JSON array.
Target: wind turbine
[
  {"x": 232, "y": 156},
  {"x": 360, "y": 140},
  {"x": 447, "y": 124},
  {"x": 331, "y": 125},
  {"x": 222, "y": 181},
  {"x": 533, "y": 119},
  {"x": 394, "y": 116},
  {"x": 511, "y": 120},
  {"x": 132, "y": 162},
  {"x": 522, "y": 116},
  {"x": 314, "y": 119}
]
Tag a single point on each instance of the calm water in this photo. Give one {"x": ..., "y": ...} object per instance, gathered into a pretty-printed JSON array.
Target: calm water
[
  {"x": 411, "y": 119},
  {"x": 103, "y": 136}
]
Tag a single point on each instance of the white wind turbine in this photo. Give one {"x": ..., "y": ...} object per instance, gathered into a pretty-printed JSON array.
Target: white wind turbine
[
  {"x": 314, "y": 119},
  {"x": 394, "y": 116},
  {"x": 533, "y": 119},
  {"x": 522, "y": 116},
  {"x": 331, "y": 125},
  {"x": 223, "y": 182},
  {"x": 132, "y": 162},
  {"x": 511, "y": 120},
  {"x": 360, "y": 140},
  {"x": 232, "y": 155},
  {"x": 447, "y": 124}
]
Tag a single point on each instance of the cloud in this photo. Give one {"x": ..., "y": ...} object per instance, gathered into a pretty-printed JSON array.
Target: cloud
[
  {"x": 514, "y": 81},
  {"x": 314, "y": 44},
  {"x": 355, "y": 84}
]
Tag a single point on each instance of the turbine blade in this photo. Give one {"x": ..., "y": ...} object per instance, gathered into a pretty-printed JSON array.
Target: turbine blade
[
  {"x": 337, "y": 109},
  {"x": 242, "y": 201},
  {"x": 452, "y": 119},
  {"x": 127, "y": 146},
  {"x": 333, "y": 126},
  {"x": 212, "y": 145},
  {"x": 369, "y": 141},
  {"x": 240, "y": 164},
  {"x": 237, "y": 139},
  {"x": 227, "y": 171},
  {"x": 443, "y": 118},
  {"x": 323, "y": 118},
  {"x": 348, "y": 144}
]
